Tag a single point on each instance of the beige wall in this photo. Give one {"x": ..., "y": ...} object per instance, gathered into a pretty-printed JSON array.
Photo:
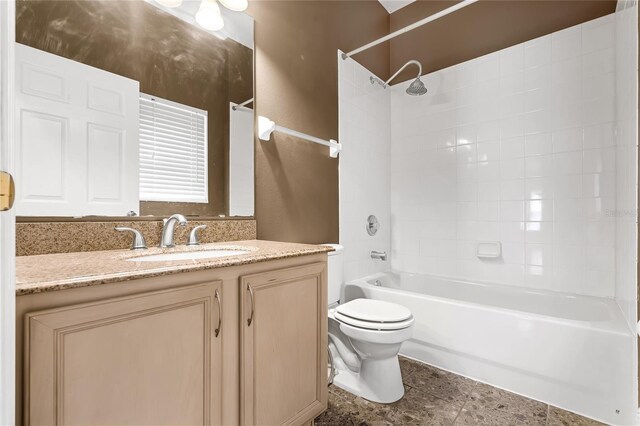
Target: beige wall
[{"x": 297, "y": 86}]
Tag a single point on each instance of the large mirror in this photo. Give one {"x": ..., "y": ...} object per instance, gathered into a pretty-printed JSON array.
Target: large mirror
[{"x": 134, "y": 108}]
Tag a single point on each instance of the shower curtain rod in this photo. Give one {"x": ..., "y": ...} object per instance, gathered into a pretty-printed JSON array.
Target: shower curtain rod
[
  {"x": 408, "y": 28},
  {"x": 242, "y": 105},
  {"x": 266, "y": 127}
]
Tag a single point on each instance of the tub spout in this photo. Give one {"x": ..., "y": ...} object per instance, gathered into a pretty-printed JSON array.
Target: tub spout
[{"x": 382, "y": 255}]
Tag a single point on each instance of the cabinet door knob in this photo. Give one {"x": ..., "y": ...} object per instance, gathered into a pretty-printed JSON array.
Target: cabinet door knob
[
  {"x": 250, "y": 290},
  {"x": 219, "y": 301}
]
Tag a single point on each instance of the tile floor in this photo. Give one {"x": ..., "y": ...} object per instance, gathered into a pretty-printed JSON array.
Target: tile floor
[{"x": 437, "y": 397}]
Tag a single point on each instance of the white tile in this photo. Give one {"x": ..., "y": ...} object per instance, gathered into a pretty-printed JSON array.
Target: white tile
[
  {"x": 488, "y": 151},
  {"x": 511, "y": 60},
  {"x": 488, "y": 68},
  {"x": 445, "y": 138},
  {"x": 488, "y": 171},
  {"x": 467, "y": 153},
  {"x": 488, "y": 231},
  {"x": 539, "y": 166},
  {"x": 512, "y": 232},
  {"x": 566, "y": 43},
  {"x": 537, "y": 121},
  {"x": 600, "y": 233},
  {"x": 511, "y": 211},
  {"x": 569, "y": 256},
  {"x": 512, "y": 104},
  {"x": 568, "y": 209},
  {"x": 488, "y": 211},
  {"x": 599, "y": 185},
  {"x": 512, "y": 169},
  {"x": 513, "y": 253},
  {"x": 539, "y": 255},
  {"x": 537, "y": 52},
  {"x": 599, "y": 136},
  {"x": 512, "y": 147},
  {"x": 598, "y": 62},
  {"x": 467, "y": 172},
  {"x": 598, "y": 34},
  {"x": 600, "y": 258},
  {"x": 599, "y": 160},
  {"x": 466, "y": 135},
  {"x": 566, "y": 163},
  {"x": 512, "y": 126},
  {"x": 539, "y": 188},
  {"x": 566, "y": 72},
  {"x": 539, "y": 232},
  {"x": 539, "y": 210},
  {"x": 567, "y": 139},
  {"x": 488, "y": 131},
  {"x": 538, "y": 144},
  {"x": 537, "y": 99},
  {"x": 512, "y": 190},
  {"x": 569, "y": 232},
  {"x": 569, "y": 186},
  {"x": 537, "y": 78},
  {"x": 489, "y": 191},
  {"x": 467, "y": 211},
  {"x": 468, "y": 191}
]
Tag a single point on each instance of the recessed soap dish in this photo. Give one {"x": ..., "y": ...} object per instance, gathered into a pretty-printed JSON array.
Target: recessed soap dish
[{"x": 489, "y": 250}]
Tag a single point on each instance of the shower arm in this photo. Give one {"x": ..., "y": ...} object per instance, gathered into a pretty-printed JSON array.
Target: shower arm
[{"x": 386, "y": 83}]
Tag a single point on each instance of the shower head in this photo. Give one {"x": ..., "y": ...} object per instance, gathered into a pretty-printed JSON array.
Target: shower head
[{"x": 416, "y": 88}]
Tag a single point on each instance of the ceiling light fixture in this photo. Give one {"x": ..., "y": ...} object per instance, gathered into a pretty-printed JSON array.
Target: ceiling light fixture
[
  {"x": 235, "y": 5},
  {"x": 170, "y": 3},
  {"x": 209, "y": 16}
]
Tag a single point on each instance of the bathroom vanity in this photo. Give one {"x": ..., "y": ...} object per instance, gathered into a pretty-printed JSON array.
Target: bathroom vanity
[{"x": 107, "y": 339}]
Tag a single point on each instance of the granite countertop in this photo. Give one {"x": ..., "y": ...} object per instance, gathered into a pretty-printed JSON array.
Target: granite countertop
[{"x": 50, "y": 272}]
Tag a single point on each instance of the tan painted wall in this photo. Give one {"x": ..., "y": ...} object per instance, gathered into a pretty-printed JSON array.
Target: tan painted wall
[{"x": 297, "y": 86}]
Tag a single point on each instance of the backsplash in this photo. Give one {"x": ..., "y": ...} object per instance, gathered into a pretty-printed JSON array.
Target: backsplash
[{"x": 34, "y": 238}]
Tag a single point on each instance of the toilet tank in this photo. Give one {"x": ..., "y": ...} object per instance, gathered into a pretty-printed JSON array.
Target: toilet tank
[{"x": 334, "y": 272}]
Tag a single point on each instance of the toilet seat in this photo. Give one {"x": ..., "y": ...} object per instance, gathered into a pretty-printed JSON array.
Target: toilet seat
[{"x": 374, "y": 315}]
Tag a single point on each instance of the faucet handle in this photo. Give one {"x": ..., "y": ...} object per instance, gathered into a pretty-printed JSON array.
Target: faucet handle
[
  {"x": 138, "y": 239},
  {"x": 193, "y": 236}
]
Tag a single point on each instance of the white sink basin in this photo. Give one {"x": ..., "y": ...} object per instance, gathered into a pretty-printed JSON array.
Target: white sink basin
[{"x": 188, "y": 255}]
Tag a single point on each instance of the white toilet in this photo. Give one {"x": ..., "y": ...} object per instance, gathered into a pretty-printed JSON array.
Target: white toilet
[{"x": 365, "y": 336}]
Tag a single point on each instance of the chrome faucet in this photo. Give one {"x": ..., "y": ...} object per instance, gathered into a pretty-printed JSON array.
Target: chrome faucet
[
  {"x": 382, "y": 255},
  {"x": 169, "y": 229}
]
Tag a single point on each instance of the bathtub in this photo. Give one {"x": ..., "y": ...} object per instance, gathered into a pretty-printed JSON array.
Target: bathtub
[{"x": 567, "y": 350}]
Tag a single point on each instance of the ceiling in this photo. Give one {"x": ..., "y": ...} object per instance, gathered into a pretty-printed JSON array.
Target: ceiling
[{"x": 393, "y": 5}]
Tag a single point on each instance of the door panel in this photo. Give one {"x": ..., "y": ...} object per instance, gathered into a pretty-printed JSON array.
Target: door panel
[
  {"x": 77, "y": 138},
  {"x": 284, "y": 347},
  {"x": 145, "y": 359}
]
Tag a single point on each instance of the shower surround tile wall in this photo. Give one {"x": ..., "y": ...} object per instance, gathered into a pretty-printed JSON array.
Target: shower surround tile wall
[
  {"x": 517, "y": 146},
  {"x": 364, "y": 168},
  {"x": 626, "y": 40}
]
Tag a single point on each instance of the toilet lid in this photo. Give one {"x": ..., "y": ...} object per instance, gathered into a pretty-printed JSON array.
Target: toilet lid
[
  {"x": 376, "y": 311},
  {"x": 373, "y": 325}
]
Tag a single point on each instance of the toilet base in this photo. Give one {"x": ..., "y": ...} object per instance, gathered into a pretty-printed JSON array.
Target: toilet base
[{"x": 379, "y": 380}]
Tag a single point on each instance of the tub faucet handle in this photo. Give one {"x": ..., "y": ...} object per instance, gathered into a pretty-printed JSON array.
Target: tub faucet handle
[{"x": 382, "y": 255}]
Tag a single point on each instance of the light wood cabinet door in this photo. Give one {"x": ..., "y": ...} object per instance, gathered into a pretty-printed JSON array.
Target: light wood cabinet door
[
  {"x": 284, "y": 346},
  {"x": 146, "y": 359}
]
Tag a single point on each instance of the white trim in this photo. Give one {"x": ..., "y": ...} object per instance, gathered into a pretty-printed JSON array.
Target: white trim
[{"x": 7, "y": 219}]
